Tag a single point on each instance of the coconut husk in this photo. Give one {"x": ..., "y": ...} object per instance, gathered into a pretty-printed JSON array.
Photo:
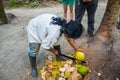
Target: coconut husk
[{"x": 75, "y": 76}]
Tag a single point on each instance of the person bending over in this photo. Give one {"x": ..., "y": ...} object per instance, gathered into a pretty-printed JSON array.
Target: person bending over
[{"x": 44, "y": 31}]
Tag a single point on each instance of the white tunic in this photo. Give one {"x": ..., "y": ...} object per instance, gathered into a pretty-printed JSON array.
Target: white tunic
[{"x": 41, "y": 31}]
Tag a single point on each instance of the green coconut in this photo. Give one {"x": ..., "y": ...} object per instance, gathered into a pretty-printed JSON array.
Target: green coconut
[{"x": 83, "y": 70}]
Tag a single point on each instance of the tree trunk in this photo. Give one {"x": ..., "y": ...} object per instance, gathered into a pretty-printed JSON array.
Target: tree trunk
[
  {"x": 3, "y": 18},
  {"x": 109, "y": 20},
  {"x": 102, "y": 59}
]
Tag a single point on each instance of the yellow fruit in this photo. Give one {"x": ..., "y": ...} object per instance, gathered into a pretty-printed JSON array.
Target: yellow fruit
[
  {"x": 42, "y": 70},
  {"x": 51, "y": 78},
  {"x": 83, "y": 70},
  {"x": 67, "y": 73},
  {"x": 78, "y": 66},
  {"x": 55, "y": 73},
  {"x": 79, "y": 56},
  {"x": 57, "y": 63}
]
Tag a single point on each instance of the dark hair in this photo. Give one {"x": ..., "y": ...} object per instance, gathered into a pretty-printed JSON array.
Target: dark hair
[
  {"x": 74, "y": 29},
  {"x": 59, "y": 21}
]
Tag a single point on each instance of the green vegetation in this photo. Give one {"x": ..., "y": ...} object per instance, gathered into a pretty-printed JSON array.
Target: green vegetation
[
  {"x": 28, "y": 3},
  {"x": 13, "y": 3},
  {"x": 16, "y": 3},
  {"x": 33, "y": 4}
]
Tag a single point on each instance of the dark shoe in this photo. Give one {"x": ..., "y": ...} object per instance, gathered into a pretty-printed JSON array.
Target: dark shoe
[
  {"x": 62, "y": 58},
  {"x": 33, "y": 66}
]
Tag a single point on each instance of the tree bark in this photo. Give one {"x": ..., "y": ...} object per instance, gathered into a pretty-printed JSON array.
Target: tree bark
[
  {"x": 108, "y": 23},
  {"x": 99, "y": 51},
  {"x": 3, "y": 18}
]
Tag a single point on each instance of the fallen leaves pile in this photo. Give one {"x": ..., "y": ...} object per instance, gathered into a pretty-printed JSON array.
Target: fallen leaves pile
[{"x": 62, "y": 70}]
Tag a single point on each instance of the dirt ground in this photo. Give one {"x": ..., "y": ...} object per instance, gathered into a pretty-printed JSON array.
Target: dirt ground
[{"x": 14, "y": 62}]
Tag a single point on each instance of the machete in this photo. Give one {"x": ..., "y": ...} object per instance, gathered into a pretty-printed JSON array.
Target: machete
[{"x": 71, "y": 58}]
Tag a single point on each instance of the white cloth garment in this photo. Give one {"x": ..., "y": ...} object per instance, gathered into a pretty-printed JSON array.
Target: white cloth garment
[{"x": 41, "y": 31}]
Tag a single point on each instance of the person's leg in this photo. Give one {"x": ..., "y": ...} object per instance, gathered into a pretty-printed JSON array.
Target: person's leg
[
  {"x": 79, "y": 10},
  {"x": 34, "y": 49},
  {"x": 65, "y": 3},
  {"x": 65, "y": 12},
  {"x": 71, "y": 4},
  {"x": 91, "y": 9},
  {"x": 71, "y": 12}
]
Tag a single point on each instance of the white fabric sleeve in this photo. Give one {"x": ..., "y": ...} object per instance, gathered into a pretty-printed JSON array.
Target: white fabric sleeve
[{"x": 52, "y": 36}]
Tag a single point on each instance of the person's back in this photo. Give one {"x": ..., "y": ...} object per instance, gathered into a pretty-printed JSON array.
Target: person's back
[
  {"x": 38, "y": 26},
  {"x": 42, "y": 20}
]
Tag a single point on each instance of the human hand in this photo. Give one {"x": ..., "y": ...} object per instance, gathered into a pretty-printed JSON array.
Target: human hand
[
  {"x": 55, "y": 52},
  {"x": 81, "y": 50}
]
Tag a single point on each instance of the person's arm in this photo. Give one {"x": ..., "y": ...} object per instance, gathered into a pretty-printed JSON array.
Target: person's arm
[
  {"x": 54, "y": 51},
  {"x": 72, "y": 43}
]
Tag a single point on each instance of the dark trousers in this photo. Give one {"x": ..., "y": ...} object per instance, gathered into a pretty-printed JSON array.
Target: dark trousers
[{"x": 91, "y": 7}]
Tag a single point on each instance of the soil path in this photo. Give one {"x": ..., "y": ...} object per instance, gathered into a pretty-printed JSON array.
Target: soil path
[{"x": 14, "y": 62}]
